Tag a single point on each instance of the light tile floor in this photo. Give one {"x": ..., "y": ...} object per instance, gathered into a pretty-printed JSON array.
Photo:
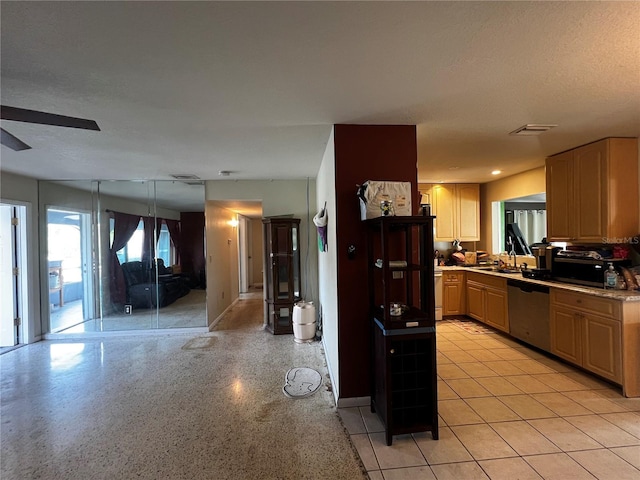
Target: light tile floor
[{"x": 507, "y": 412}]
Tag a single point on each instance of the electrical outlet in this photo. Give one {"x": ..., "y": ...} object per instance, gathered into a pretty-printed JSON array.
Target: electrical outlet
[{"x": 128, "y": 309}]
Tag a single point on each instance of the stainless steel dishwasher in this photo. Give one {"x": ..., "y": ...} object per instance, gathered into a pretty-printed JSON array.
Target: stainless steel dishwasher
[{"x": 529, "y": 313}]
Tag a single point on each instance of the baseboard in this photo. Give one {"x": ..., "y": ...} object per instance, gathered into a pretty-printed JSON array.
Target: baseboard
[
  {"x": 334, "y": 387},
  {"x": 213, "y": 324},
  {"x": 354, "y": 402},
  {"x": 344, "y": 402},
  {"x": 125, "y": 333}
]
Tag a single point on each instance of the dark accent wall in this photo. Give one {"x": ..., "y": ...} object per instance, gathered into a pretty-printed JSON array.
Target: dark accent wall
[
  {"x": 363, "y": 152},
  {"x": 192, "y": 257}
]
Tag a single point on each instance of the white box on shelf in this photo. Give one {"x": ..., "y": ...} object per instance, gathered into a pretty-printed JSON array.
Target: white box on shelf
[{"x": 373, "y": 192}]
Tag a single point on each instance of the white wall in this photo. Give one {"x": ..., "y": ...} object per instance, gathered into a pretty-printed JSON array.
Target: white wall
[
  {"x": 221, "y": 260},
  {"x": 328, "y": 265},
  {"x": 21, "y": 190},
  {"x": 256, "y": 248}
]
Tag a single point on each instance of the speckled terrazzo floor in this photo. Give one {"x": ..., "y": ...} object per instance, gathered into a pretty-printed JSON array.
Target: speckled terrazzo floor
[{"x": 199, "y": 406}]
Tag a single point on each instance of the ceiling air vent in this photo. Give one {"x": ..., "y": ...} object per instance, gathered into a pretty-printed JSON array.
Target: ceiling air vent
[
  {"x": 532, "y": 129},
  {"x": 180, "y": 176}
]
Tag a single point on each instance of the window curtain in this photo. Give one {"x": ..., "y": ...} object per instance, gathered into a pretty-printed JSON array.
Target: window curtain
[
  {"x": 124, "y": 225},
  {"x": 532, "y": 223},
  {"x": 174, "y": 232}
]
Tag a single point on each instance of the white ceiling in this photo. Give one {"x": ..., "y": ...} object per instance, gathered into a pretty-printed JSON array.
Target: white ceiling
[{"x": 254, "y": 88}]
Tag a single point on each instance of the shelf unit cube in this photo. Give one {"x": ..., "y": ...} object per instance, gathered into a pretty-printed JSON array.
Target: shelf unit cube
[{"x": 401, "y": 272}]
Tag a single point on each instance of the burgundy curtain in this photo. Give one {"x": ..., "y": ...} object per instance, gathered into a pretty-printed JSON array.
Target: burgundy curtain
[
  {"x": 174, "y": 233},
  {"x": 124, "y": 226}
]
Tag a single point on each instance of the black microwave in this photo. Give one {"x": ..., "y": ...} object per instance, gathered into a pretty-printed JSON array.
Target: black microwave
[{"x": 584, "y": 271}]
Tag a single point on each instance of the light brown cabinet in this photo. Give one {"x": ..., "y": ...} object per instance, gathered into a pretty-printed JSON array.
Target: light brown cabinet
[
  {"x": 592, "y": 192},
  {"x": 475, "y": 300},
  {"x": 601, "y": 346},
  {"x": 487, "y": 300},
  {"x": 457, "y": 210},
  {"x": 453, "y": 294},
  {"x": 565, "y": 335},
  {"x": 559, "y": 185},
  {"x": 586, "y": 331}
]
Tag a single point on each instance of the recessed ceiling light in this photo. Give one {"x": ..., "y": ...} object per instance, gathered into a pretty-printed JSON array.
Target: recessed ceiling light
[
  {"x": 532, "y": 129},
  {"x": 496, "y": 172},
  {"x": 454, "y": 168},
  {"x": 224, "y": 173}
]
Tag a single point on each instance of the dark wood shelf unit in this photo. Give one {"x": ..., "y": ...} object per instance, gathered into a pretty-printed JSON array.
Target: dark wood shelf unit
[
  {"x": 282, "y": 272},
  {"x": 403, "y": 380}
]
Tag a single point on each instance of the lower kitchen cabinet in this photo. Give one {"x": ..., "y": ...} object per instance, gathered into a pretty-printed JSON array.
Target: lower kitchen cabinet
[
  {"x": 565, "y": 335},
  {"x": 487, "y": 300},
  {"x": 586, "y": 331},
  {"x": 475, "y": 300},
  {"x": 601, "y": 346},
  {"x": 453, "y": 294},
  {"x": 404, "y": 382}
]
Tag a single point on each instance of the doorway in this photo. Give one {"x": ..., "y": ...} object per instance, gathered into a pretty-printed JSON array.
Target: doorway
[
  {"x": 13, "y": 274},
  {"x": 70, "y": 268},
  {"x": 244, "y": 254}
]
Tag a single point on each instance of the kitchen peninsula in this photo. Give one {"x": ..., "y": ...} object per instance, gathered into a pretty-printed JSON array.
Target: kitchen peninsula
[{"x": 595, "y": 329}]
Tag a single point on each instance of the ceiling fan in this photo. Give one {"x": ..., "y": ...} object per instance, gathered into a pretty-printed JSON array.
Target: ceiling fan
[{"x": 33, "y": 116}]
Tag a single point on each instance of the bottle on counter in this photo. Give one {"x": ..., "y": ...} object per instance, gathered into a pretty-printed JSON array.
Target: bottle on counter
[{"x": 610, "y": 277}]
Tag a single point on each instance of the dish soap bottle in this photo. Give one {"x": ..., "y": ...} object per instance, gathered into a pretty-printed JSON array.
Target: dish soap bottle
[{"x": 610, "y": 277}]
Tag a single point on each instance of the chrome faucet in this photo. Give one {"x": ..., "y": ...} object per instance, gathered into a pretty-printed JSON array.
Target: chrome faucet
[{"x": 512, "y": 251}]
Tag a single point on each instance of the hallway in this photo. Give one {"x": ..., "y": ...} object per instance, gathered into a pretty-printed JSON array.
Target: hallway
[{"x": 171, "y": 406}]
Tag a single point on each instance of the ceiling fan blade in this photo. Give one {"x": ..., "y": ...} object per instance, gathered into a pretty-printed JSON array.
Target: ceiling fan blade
[
  {"x": 12, "y": 142},
  {"x": 34, "y": 116}
]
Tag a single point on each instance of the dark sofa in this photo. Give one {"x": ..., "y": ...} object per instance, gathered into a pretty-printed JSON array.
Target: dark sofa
[{"x": 144, "y": 292}]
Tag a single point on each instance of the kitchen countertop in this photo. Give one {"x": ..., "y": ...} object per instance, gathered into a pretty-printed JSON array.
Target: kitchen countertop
[{"x": 621, "y": 295}]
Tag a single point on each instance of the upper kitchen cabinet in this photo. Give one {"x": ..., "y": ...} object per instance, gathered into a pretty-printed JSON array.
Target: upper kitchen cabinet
[
  {"x": 457, "y": 211},
  {"x": 592, "y": 192}
]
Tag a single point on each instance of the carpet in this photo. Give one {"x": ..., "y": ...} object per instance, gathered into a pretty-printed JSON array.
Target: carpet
[
  {"x": 301, "y": 382},
  {"x": 472, "y": 327}
]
